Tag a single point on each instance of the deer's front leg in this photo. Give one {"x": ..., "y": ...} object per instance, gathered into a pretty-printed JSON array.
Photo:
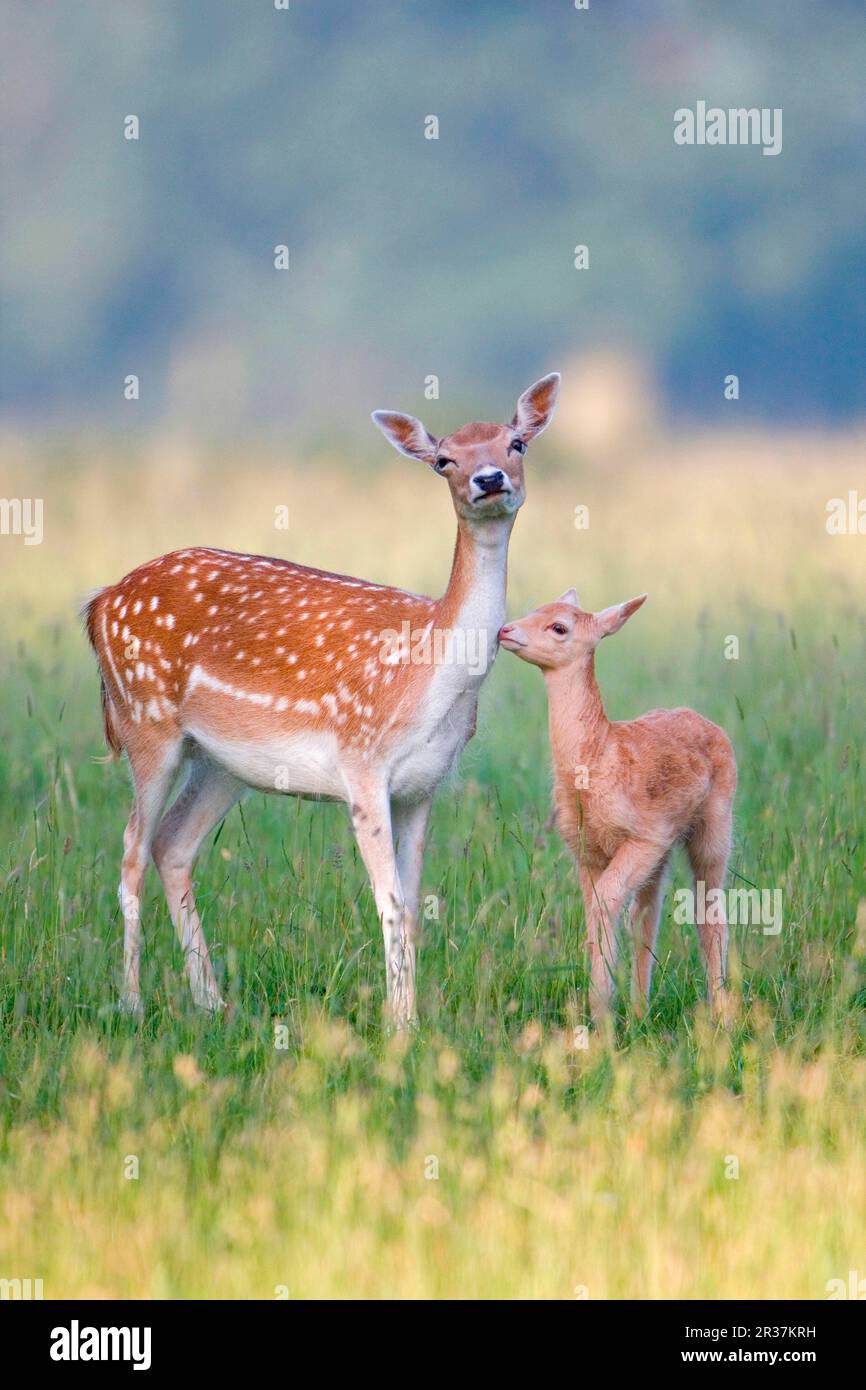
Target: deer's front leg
[
  {"x": 605, "y": 897},
  {"x": 371, "y": 820},
  {"x": 409, "y": 824},
  {"x": 602, "y": 944}
]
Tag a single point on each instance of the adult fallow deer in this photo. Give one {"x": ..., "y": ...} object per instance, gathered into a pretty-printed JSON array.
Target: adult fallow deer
[{"x": 254, "y": 672}]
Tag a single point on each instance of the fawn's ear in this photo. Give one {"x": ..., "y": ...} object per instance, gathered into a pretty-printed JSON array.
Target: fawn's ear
[
  {"x": 406, "y": 434},
  {"x": 536, "y": 406},
  {"x": 570, "y": 596},
  {"x": 610, "y": 620}
]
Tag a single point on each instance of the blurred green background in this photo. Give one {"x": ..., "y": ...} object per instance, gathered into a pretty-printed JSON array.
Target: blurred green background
[
  {"x": 412, "y": 257},
  {"x": 563, "y": 1167}
]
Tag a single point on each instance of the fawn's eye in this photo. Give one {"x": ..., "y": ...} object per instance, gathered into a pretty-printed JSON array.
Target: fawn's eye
[
  {"x": 518, "y": 446},
  {"x": 441, "y": 464},
  {"x": 559, "y": 628}
]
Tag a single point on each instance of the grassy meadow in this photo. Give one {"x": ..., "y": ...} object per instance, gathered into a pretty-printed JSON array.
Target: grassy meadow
[{"x": 500, "y": 1153}]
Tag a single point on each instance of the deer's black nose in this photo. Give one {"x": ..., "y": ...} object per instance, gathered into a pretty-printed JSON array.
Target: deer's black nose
[{"x": 490, "y": 482}]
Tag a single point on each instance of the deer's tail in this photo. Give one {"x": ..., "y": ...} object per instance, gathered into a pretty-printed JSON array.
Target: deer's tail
[{"x": 89, "y": 618}]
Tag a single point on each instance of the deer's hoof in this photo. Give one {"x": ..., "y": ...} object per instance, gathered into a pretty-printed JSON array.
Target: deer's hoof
[{"x": 130, "y": 1004}]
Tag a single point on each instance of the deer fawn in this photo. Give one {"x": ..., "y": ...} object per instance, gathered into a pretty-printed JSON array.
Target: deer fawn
[
  {"x": 626, "y": 794},
  {"x": 260, "y": 673}
]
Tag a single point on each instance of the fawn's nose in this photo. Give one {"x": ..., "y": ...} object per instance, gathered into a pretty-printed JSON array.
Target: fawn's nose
[{"x": 494, "y": 481}]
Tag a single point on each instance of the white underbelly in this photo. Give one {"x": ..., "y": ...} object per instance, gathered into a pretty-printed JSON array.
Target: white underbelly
[{"x": 298, "y": 764}]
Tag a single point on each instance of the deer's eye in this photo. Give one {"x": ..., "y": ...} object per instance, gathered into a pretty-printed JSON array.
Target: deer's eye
[
  {"x": 518, "y": 446},
  {"x": 559, "y": 628},
  {"x": 441, "y": 464}
]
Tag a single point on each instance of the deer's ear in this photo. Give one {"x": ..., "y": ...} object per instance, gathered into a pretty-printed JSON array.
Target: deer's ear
[
  {"x": 610, "y": 620},
  {"x": 536, "y": 406},
  {"x": 406, "y": 434},
  {"x": 570, "y": 596}
]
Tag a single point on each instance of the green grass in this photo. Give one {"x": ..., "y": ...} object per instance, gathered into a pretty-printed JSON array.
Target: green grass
[{"x": 561, "y": 1168}]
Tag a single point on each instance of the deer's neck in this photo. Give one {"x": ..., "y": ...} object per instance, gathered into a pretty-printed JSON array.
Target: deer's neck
[
  {"x": 474, "y": 601},
  {"x": 579, "y": 726}
]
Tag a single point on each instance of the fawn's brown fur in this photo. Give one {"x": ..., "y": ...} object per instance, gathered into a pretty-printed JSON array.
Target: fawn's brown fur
[{"x": 626, "y": 794}]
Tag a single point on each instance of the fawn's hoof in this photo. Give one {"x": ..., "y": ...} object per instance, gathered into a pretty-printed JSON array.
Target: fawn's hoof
[
  {"x": 213, "y": 1004},
  {"x": 405, "y": 1028}
]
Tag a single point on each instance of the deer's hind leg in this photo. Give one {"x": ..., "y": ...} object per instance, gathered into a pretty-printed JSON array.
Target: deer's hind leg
[
  {"x": 207, "y": 796},
  {"x": 154, "y": 762},
  {"x": 605, "y": 897},
  {"x": 645, "y": 914},
  {"x": 708, "y": 848}
]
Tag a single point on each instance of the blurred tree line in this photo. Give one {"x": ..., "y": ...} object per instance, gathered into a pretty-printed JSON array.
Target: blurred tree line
[{"x": 414, "y": 257}]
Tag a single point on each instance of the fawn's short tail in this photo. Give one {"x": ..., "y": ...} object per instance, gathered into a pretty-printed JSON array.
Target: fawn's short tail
[{"x": 112, "y": 738}]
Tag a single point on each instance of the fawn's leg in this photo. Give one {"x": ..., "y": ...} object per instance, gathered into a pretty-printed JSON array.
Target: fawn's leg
[
  {"x": 409, "y": 824},
  {"x": 207, "y": 796},
  {"x": 631, "y": 866},
  {"x": 371, "y": 820},
  {"x": 645, "y": 915},
  {"x": 708, "y": 849},
  {"x": 154, "y": 765},
  {"x": 601, "y": 965}
]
